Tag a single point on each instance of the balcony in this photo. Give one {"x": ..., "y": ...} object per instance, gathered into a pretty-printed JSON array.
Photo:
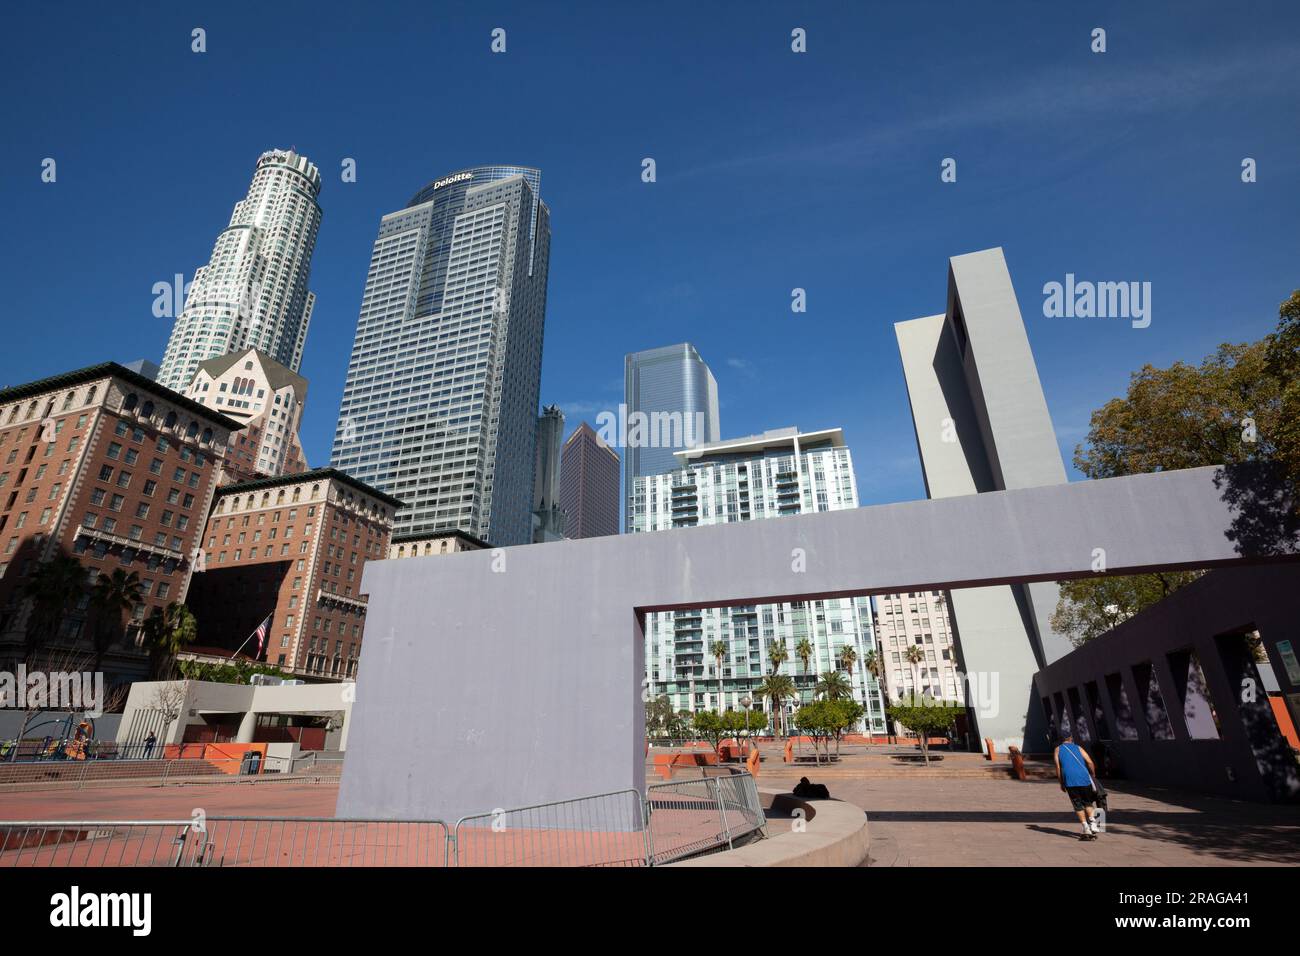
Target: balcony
[{"x": 339, "y": 600}]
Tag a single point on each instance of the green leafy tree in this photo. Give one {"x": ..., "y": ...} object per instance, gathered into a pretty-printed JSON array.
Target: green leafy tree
[
  {"x": 848, "y": 713},
  {"x": 926, "y": 717},
  {"x": 1089, "y": 607},
  {"x": 1282, "y": 363},
  {"x": 679, "y": 725},
  {"x": 658, "y": 713},
  {"x": 235, "y": 672},
  {"x": 55, "y": 586},
  {"x": 826, "y": 720},
  {"x": 1240, "y": 408},
  {"x": 168, "y": 631},
  {"x": 813, "y": 721},
  {"x": 112, "y": 598},
  {"x": 738, "y": 722},
  {"x": 710, "y": 726}
]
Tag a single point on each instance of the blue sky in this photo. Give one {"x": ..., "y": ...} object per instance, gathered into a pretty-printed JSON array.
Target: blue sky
[{"x": 775, "y": 171}]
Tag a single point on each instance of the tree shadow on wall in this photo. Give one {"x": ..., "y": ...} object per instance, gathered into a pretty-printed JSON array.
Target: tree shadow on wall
[{"x": 1266, "y": 521}]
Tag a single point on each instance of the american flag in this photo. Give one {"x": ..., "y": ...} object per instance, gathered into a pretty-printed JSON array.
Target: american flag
[{"x": 260, "y": 634}]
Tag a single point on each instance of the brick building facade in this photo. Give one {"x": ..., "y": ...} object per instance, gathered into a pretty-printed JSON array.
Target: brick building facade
[
  {"x": 292, "y": 548},
  {"x": 107, "y": 465}
]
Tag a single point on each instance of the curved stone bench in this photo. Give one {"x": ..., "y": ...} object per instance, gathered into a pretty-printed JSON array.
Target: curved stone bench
[{"x": 834, "y": 833}]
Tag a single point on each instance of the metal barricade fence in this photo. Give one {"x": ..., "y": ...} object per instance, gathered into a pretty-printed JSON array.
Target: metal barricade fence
[
  {"x": 686, "y": 818},
  {"x": 606, "y": 829},
  {"x": 225, "y": 841},
  {"x": 84, "y": 774},
  {"x": 674, "y": 820}
]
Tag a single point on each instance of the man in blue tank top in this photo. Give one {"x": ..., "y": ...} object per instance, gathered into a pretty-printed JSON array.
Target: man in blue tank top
[{"x": 1075, "y": 770}]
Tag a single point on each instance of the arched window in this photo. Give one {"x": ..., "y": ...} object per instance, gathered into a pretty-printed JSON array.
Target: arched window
[
  {"x": 207, "y": 436},
  {"x": 192, "y": 429},
  {"x": 296, "y": 493},
  {"x": 146, "y": 410},
  {"x": 170, "y": 420},
  {"x": 315, "y": 491},
  {"x": 90, "y": 395},
  {"x": 67, "y": 400},
  {"x": 130, "y": 402}
]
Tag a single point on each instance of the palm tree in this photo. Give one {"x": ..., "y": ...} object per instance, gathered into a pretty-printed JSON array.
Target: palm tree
[
  {"x": 834, "y": 685},
  {"x": 166, "y": 633},
  {"x": 875, "y": 665},
  {"x": 777, "y": 655},
  {"x": 777, "y": 688},
  {"x": 914, "y": 657},
  {"x": 848, "y": 660},
  {"x": 112, "y": 597},
  {"x": 719, "y": 650},
  {"x": 55, "y": 587},
  {"x": 804, "y": 651}
]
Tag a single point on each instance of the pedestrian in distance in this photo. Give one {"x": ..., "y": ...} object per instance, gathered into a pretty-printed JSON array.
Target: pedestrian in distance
[{"x": 1074, "y": 768}]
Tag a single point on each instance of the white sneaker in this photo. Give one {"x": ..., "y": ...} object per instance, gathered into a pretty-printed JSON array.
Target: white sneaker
[{"x": 1094, "y": 826}]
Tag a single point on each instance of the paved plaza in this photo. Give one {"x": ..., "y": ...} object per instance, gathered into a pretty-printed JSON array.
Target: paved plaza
[
  {"x": 914, "y": 821},
  {"x": 1009, "y": 823}
]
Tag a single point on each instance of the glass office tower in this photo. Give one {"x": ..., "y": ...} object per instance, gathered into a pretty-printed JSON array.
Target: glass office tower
[
  {"x": 440, "y": 404},
  {"x": 669, "y": 381}
]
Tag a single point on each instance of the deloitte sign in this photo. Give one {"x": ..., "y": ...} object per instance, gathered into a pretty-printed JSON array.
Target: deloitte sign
[{"x": 457, "y": 178}]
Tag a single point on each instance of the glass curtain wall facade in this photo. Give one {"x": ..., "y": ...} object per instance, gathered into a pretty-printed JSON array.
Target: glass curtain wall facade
[
  {"x": 253, "y": 291},
  {"x": 768, "y": 476},
  {"x": 669, "y": 381},
  {"x": 440, "y": 403}
]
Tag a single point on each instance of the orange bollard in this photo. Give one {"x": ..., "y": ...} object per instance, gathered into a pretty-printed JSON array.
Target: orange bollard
[
  {"x": 753, "y": 762},
  {"x": 992, "y": 753},
  {"x": 789, "y": 751},
  {"x": 1017, "y": 763}
]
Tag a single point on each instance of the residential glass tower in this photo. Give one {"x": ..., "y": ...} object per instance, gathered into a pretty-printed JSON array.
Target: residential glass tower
[
  {"x": 253, "y": 291},
  {"x": 440, "y": 404},
  {"x": 778, "y": 473}
]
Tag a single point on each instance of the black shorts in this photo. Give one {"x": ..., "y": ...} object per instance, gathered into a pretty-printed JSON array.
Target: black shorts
[{"x": 1081, "y": 797}]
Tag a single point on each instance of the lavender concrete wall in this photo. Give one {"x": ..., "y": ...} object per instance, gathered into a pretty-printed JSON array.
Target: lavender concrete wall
[{"x": 510, "y": 677}]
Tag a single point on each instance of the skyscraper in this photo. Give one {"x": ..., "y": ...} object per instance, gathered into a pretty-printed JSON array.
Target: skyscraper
[
  {"x": 440, "y": 404},
  {"x": 678, "y": 395},
  {"x": 548, "y": 522},
  {"x": 589, "y": 485},
  {"x": 253, "y": 291},
  {"x": 778, "y": 473}
]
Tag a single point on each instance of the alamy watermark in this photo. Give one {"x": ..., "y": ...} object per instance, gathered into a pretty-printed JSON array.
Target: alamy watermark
[
  {"x": 624, "y": 429},
  {"x": 81, "y": 691},
  {"x": 1098, "y": 300}
]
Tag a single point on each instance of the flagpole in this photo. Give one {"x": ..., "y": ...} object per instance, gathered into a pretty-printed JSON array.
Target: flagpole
[{"x": 247, "y": 639}]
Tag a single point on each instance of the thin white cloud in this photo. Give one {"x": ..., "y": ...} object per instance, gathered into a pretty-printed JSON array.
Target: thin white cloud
[{"x": 1062, "y": 96}]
